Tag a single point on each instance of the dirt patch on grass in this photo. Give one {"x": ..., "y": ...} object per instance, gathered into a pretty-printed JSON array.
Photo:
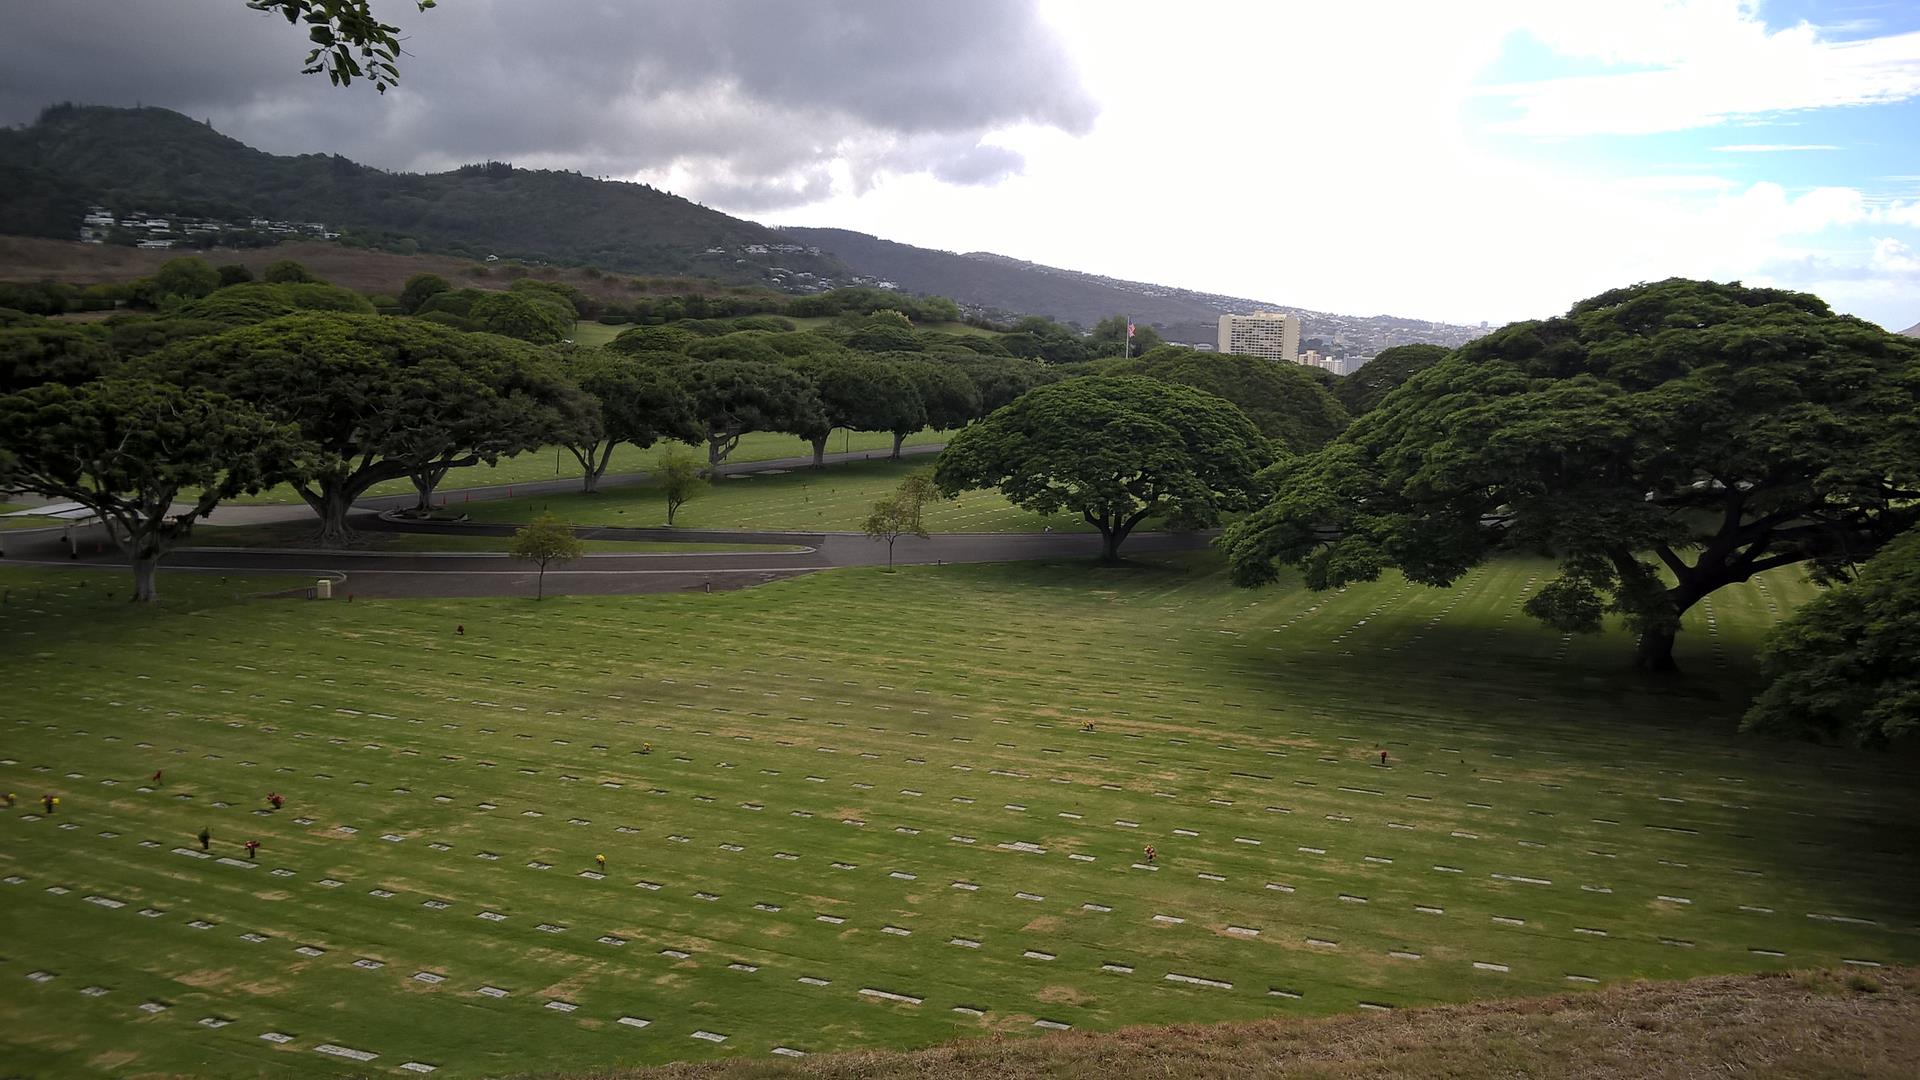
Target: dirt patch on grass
[
  {"x": 1060, "y": 995},
  {"x": 1775, "y": 1025},
  {"x": 113, "y": 1060},
  {"x": 272, "y": 895},
  {"x": 1045, "y": 924},
  {"x": 205, "y": 978},
  {"x": 565, "y": 989}
]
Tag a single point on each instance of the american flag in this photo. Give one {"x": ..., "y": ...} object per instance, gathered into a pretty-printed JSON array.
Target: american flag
[{"x": 1129, "y": 329}]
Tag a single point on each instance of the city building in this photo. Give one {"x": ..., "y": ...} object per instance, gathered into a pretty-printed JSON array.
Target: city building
[{"x": 1263, "y": 333}]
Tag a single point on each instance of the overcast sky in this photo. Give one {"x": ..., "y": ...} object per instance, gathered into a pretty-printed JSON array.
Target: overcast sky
[{"x": 1470, "y": 160}]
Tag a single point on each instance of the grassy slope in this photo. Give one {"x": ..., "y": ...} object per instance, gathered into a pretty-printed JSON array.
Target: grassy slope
[
  {"x": 836, "y": 500},
  {"x": 870, "y": 725},
  {"x": 1817, "y": 1024}
]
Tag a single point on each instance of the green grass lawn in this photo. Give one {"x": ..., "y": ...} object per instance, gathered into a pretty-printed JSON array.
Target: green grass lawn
[
  {"x": 22, "y": 522},
  {"x": 593, "y": 333},
  {"x": 295, "y": 535},
  {"x": 552, "y": 464},
  {"x": 28, "y": 523},
  {"x": 864, "y": 783},
  {"x": 836, "y": 499}
]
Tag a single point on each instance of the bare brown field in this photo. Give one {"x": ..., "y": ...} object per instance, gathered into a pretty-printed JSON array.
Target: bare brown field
[
  {"x": 26, "y": 259},
  {"x": 1805, "y": 1024}
]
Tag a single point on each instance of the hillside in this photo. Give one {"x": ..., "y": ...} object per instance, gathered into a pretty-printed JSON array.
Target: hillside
[
  {"x": 365, "y": 270},
  {"x": 156, "y": 161},
  {"x": 160, "y": 161},
  {"x": 1912, "y": 331},
  {"x": 1005, "y": 286},
  {"x": 1811, "y": 1024}
]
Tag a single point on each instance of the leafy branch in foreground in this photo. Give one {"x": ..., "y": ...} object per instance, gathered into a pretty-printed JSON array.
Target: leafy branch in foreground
[{"x": 348, "y": 41}]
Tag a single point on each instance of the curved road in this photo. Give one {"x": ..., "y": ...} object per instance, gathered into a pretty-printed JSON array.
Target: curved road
[{"x": 391, "y": 574}]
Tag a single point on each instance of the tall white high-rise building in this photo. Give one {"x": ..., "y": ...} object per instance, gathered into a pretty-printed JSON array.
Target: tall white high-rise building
[{"x": 1263, "y": 333}]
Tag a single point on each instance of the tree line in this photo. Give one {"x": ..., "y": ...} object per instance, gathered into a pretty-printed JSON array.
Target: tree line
[{"x": 1661, "y": 441}]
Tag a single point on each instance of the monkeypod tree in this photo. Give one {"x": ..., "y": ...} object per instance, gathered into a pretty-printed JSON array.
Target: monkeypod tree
[
  {"x": 734, "y": 397},
  {"x": 129, "y": 448},
  {"x": 1364, "y": 390},
  {"x": 379, "y": 399},
  {"x": 1663, "y": 441},
  {"x": 637, "y": 403},
  {"x": 1285, "y": 401},
  {"x": 543, "y": 318},
  {"x": 948, "y": 398},
  {"x": 1114, "y": 449},
  {"x": 863, "y": 395},
  {"x": 49, "y": 352}
]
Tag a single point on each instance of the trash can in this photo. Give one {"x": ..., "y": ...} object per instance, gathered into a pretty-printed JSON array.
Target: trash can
[{"x": 323, "y": 589}]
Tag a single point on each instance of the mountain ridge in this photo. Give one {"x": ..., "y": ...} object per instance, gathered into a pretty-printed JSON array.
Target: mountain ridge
[
  {"x": 157, "y": 160},
  {"x": 998, "y": 284}
]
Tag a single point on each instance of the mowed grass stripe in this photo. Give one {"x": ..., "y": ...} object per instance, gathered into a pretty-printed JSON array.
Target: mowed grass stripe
[
  {"x": 1175, "y": 669},
  {"x": 835, "y": 499}
]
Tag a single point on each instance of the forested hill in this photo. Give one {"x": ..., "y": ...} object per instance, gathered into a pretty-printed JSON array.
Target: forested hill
[
  {"x": 1007, "y": 285},
  {"x": 1003, "y": 285},
  {"x": 159, "y": 161}
]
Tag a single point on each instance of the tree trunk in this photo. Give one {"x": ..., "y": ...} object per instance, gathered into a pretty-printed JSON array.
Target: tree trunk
[
  {"x": 145, "y": 566},
  {"x": 593, "y": 465},
  {"x": 890, "y": 541},
  {"x": 714, "y": 454},
  {"x": 898, "y": 438},
  {"x": 540, "y": 583},
  {"x": 1655, "y": 651},
  {"x": 820, "y": 452},
  {"x": 331, "y": 504},
  {"x": 424, "y": 482}
]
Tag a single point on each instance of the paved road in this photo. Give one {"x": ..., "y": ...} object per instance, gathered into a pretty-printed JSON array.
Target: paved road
[
  {"x": 390, "y": 574},
  {"x": 385, "y": 574}
]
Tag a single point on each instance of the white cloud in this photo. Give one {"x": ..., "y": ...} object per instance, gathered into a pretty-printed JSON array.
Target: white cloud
[
  {"x": 1894, "y": 257},
  {"x": 1771, "y": 148},
  {"x": 1699, "y": 63},
  {"x": 1298, "y": 155}
]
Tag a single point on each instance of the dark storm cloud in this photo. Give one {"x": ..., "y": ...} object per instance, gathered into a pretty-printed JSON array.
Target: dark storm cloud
[{"x": 750, "y": 103}]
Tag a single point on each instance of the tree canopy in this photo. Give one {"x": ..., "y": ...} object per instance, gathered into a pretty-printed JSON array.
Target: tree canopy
[
  {"x": 128, "y": 448},
  {"x": 381, "y": 398},
  {"x": 903, "y": 511},
  {"x": 1109, "y": 335},
  {"x": 637, "y": 403},
  {"x": 546, "y": 540},
  {"x": 734, "y": 397},
  {"x": 865, "y": 395},
  {"x": 1114, "y": 449},
  {"x": 523, "y": 316},
  {"x": 1846, "y": 666},
  {"x": 1362, "y": 391},
  {"x": 35, "y": 353},
  {"x": 1285, "y": 401},
  {"x": 1661, "y": 441}
]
